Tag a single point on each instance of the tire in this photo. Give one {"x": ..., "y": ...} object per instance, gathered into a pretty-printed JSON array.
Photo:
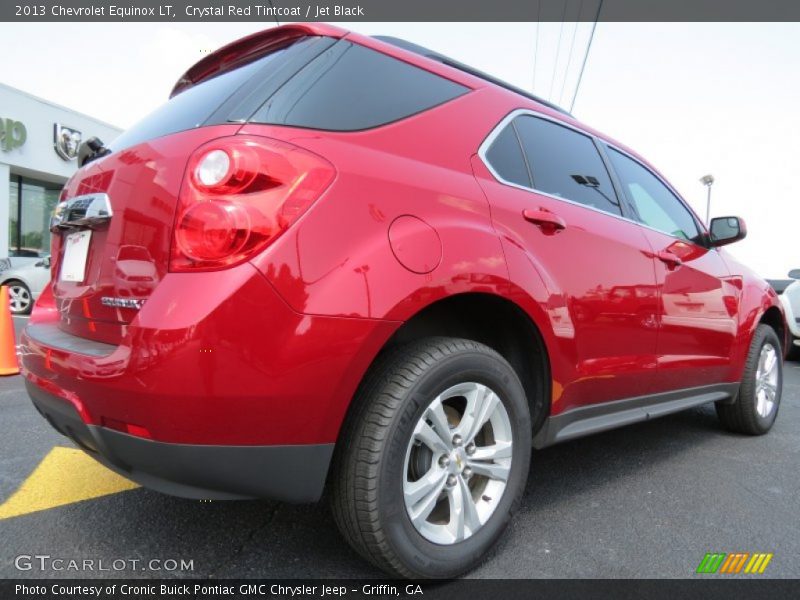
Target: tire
[
  {"x": 376, "y": 458},
  {"x": 751, "y": 413},
  {"x": 20, "y": 296}
]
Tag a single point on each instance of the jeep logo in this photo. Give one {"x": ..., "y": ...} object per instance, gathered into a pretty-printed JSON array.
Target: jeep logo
[{"x": 12, "y": 134}]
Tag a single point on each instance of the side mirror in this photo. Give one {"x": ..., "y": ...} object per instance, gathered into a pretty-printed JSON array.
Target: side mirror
[
  {"x": 794, "y": 273},
  {"x": 726, "y": 230},
  {"x": 45, "y": 262}
]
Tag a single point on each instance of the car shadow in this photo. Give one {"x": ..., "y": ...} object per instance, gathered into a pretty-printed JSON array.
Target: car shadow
[{"x": 270, "y": 539}]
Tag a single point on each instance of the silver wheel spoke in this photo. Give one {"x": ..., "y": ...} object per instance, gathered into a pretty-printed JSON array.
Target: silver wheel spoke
[
  {"x": 481, "y": 403},
  {"x": 769, "y": 362},
  {"x": 464, "y": 519},
  {"x": 761, "y": 408},
  {"x": 415, "y": 490},
  {"x": 456, "y": 524},
  {"x": 425, "y": 434},
  {"x": 424, "y": 507},
  {"x": 438, "y": 419},
  {"x": 490, "y": 470},
  {"x": 493, "y": 452}
]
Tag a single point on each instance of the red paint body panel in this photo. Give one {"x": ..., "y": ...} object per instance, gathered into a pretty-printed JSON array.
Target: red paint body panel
[
  {"x": 271, "y": 351},
  {"x": 218, "y": 358}
]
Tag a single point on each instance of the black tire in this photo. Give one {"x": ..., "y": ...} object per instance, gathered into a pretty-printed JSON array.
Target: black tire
[
  {"x": 367, "y": 476},
  {"x": 22, "y": 289},
  {"x": 742, "y": 416}
]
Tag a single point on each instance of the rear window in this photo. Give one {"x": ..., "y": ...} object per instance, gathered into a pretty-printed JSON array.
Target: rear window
[
  {"x": 350, "y": 87},
  {"x": 196, "y": 105},
  {"x": 314, "y": 82}
]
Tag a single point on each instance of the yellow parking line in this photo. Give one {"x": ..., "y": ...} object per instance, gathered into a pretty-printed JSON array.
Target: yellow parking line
[{"x": 64, "y": 476}]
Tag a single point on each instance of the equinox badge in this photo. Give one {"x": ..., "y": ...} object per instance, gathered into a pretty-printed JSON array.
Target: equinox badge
[{"x": 133, "y": 303}]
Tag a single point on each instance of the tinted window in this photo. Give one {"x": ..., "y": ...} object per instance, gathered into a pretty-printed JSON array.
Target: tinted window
[
  {"x": 566, "y": 163},
  {"x": 350, "y": 87},
  {"x": 655, "y": 204},
  {"x": 505, "y": 157},
  {"x": 193, "y": 106}
]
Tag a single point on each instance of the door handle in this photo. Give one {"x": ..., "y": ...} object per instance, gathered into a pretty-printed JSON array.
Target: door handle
[
  {"x": 669, "y": 259},
  {"x": 544, "y": 219}
]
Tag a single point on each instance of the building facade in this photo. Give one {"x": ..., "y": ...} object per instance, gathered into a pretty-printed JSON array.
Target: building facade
[{"x": 39, "y": 143}]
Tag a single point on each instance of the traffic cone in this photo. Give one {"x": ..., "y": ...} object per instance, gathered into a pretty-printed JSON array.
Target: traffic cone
[{"x": 8, "y": 346}]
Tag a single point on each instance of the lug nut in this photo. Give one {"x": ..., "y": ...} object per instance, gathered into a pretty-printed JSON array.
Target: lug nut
[
  {"x": 451, "y": 480},
  {"x": 444, "y": 460},
  {"x": 466, "y": 473},
  {"x": 470, "y": 449},
  {"x": 457, "y": 440}
]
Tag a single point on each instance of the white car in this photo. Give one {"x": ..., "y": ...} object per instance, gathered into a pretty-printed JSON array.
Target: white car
[
  {"x": 25, "y": 283},
  {"x": 791, "y": 305}
]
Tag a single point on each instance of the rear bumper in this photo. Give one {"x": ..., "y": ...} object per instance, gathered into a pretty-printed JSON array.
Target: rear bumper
[
  {"x": 216, "y": 472},
  {"x": 211, "y": 359}
]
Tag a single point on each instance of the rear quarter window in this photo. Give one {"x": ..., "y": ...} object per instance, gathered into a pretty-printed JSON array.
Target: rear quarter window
[
  {"x": 200, "y": 104},
  {"x": 350, "y": 87}
]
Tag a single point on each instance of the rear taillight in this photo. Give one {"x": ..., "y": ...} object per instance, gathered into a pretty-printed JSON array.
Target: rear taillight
[{"x": 239, "y": 194}]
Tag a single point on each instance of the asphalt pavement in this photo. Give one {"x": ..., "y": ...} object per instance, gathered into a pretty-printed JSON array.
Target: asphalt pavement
[{"x": 649, "y": 500}]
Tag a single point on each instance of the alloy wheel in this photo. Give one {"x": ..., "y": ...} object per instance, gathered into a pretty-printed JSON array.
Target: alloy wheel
[
  {"x": 20, "y": 298},
  {"x": 457, "y": 463},
  {"x": 767, "y": 380}
]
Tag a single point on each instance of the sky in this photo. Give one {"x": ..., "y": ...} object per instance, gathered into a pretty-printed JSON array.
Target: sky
[{"x": 692, "y": 98}]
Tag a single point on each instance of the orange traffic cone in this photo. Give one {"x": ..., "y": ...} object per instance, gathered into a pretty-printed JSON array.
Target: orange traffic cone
[{"x": 8, "y": 347}]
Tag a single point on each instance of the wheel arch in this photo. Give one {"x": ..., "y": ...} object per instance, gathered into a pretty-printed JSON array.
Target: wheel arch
[
  {"x": 773, "y": 317},
  {"x": 492, "y": 320}
]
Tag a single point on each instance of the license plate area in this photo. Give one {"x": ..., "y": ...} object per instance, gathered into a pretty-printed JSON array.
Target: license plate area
[{"x": 76, "y": 251}]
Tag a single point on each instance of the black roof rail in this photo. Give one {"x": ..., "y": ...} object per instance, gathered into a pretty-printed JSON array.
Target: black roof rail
[{"x": 450, "y": 62}]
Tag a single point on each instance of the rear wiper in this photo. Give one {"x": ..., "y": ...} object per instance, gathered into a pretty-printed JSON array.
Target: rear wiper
[{"x": 90, "y": 150}]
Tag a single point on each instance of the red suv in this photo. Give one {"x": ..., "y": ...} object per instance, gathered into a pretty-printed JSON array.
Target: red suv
[{"x": 344, "y": 260}]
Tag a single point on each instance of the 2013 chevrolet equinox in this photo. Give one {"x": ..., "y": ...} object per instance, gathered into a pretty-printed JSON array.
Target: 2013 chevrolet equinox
[{"x": 343, "y": 259}]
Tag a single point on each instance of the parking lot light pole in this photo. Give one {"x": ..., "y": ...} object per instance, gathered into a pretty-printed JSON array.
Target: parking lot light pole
[{"x": 708, "y": 181}]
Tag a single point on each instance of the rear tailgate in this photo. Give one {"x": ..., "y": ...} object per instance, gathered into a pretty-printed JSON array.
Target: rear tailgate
[{"x": 128, "y": 253}]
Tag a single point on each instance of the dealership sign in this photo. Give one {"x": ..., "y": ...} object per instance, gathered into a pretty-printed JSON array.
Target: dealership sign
[
  {"x": 66, "y": 141},
  {"x": 12, "y": 134}
]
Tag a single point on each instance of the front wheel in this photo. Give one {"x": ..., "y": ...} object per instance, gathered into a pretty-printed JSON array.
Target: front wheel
[
  {"x": 756, "y": 406},
  {"x": 433, "y": 461}
]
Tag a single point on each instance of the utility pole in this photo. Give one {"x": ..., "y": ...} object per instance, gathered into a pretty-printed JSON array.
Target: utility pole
[{"x": 708, "y": 181}]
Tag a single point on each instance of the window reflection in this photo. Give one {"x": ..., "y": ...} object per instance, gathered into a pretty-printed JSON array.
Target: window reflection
[{"x": 31, "y": 203}]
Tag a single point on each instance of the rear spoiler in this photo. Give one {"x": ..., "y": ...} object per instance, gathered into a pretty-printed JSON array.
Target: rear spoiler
[{"x": 249, "y": 48}]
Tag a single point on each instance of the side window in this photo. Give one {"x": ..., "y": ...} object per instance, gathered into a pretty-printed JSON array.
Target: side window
[
  {"x": 505, "y": 157},
  {"x": 655, "y": 204},
  {"x": 350, "y": 87},
  {"x": 566, "y": 163}
]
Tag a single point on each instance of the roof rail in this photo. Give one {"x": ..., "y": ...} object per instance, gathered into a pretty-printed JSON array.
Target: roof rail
[{"x": 421, "y": 50}]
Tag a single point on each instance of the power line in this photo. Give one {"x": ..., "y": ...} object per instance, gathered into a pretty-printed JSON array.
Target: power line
[
  {"x": 273, "y": 12},
  {"x": 536, "y": 46},
  {"x": 571, "y": 48},
  {"x": 586, "y": 56},
  {"x": 558, "y": 51}
]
